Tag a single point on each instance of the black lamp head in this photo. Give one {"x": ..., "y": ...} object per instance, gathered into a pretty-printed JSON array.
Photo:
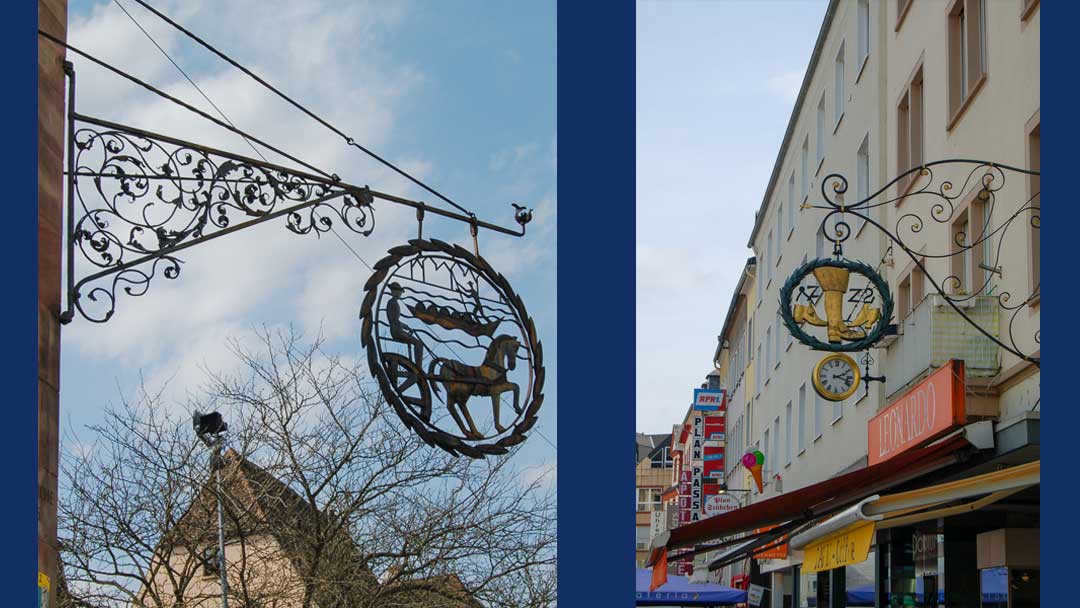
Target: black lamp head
[{"x": 208, "y": 424}]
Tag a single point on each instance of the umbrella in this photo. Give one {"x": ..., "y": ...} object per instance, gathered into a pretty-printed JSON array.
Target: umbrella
[{"x": 679, "y": 591}]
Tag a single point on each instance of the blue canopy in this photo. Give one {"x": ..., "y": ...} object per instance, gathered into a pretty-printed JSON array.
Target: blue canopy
[{"x": 679, "y": 591}]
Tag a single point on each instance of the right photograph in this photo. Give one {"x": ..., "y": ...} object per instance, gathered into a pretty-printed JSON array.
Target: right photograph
[{"x": 838, "y": 303}]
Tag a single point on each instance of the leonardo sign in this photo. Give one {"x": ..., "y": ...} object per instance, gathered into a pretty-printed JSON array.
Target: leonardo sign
[{"x": 927, "y": 411}]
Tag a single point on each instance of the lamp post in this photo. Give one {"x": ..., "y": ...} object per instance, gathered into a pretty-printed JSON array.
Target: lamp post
[{"x": 209, "y": 428}]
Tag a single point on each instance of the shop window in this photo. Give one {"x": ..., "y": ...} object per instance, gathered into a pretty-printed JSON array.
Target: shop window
[
  {"x": 967, "y": 54},
  {"x": 909, "y": 125}
]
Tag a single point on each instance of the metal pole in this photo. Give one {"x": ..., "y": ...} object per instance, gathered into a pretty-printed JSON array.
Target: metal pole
[{"x": 221, "y": 529}]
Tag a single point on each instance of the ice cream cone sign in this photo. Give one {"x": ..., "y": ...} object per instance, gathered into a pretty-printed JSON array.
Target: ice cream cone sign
[{"x": 754, "y": 461}]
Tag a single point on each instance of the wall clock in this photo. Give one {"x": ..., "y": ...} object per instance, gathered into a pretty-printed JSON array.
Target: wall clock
[{"x": 836, "y": 377}]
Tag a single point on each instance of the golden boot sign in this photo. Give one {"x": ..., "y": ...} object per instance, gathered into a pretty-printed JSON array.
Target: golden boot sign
[{"x": 857, "y": 309}]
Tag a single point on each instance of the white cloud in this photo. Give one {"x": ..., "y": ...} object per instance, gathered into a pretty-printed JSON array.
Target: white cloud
[{"x": 786, "y": 84}]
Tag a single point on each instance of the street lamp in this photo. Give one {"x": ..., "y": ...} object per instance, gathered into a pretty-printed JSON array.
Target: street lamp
[
  {"x": 724, "y": 489},
  {"x": 209, "y": 429}
]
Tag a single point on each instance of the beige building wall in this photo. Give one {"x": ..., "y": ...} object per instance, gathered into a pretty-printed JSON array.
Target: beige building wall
[
  {"x": 257, "y": 568},
  {"x": 646, "y": 477},
  {"x": 993, "y": 124},
  {"x": 833, "y": 436}
]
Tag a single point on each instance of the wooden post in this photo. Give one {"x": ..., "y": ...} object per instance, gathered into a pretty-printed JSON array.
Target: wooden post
[{"x": 52, "y": 18}]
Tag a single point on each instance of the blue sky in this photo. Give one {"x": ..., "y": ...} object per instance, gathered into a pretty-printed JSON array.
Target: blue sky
[
  {"x": 716, "y": 82},
  {"x": 460, "y": 94}
]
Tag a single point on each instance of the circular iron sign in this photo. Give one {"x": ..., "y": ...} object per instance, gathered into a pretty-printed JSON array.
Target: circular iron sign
[
  {"x": 853, "y": 312},
  {"x": 453, "y": 349}
]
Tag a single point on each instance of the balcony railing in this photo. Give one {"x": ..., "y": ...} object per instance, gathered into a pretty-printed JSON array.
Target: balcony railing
[{"x": 933, "y": 333}]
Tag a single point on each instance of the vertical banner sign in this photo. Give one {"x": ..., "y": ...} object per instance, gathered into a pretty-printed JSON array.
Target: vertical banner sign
[
  {"x": 657, "y": 528},
  {"x": 684, "y": 496},
  {"x": 697, "y": 465},
  {"x": 713, "y": 451}
]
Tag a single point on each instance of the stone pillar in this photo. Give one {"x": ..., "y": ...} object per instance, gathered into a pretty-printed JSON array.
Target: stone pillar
[{"x": 52, "y": 18}]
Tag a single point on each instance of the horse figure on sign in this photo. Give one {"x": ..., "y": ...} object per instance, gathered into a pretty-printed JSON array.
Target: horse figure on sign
[{"x": 463, "y": 381}]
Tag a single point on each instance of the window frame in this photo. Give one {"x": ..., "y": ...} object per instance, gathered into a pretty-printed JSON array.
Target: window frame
[
  {"x": 839, "y": 84},
  {"x": 966, "y": 56},
  {"x": 862, "y": 15},
  {"x": 910, "y": 130},
  {"x": 802, "y": 420},
  {"x": 903, "y": 7}
]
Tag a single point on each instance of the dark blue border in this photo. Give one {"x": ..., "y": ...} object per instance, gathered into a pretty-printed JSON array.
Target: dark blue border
[
  {"x": 596, "y": 303},
  {"x": 18, "y": 450},
  {"x": 1060, "y": 274}
]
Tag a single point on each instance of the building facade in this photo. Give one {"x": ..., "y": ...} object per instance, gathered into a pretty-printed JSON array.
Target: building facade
[
  {"x": 892, "y": 88},
  {"x": 651, "y": 478}
]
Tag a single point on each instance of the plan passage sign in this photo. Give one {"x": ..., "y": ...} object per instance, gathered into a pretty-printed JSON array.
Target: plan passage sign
[{"x": 929, "y": 410}]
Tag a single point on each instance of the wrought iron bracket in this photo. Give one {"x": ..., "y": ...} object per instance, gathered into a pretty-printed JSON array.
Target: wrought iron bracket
[
  {"x": 984, "y": 180},
  {"x": 137, "y": 198}
]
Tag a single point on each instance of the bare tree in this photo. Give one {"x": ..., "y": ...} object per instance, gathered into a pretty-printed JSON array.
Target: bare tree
[{"x": 329, "y": 501}]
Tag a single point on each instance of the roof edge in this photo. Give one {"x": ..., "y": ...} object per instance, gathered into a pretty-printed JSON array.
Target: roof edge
[{"x": 826, "y": 23}]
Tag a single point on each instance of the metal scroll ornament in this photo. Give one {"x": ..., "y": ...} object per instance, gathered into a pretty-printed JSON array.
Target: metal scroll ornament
[
  {"x": 453, "y": 349},
  {"x": 855, "y": 311}
]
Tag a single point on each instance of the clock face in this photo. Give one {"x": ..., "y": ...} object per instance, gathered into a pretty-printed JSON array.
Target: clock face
[{"x": 836, "y": 377}]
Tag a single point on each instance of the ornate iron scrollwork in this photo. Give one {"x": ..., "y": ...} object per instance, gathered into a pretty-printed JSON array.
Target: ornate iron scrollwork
[
  {"x": 440, "y": 327},
  {"x": 139, "y": 197},
  {"x": 984, "y": 181}
]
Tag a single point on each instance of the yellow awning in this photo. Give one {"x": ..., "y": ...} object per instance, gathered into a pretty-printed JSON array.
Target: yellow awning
[{"x": 844, "y": 547}]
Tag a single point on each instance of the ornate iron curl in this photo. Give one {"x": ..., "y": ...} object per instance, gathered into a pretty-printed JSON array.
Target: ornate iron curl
[
  {"x": 984, "y": 180},
  {"x": 431, "y": 434},
  {"x": 857, "y": 267}
]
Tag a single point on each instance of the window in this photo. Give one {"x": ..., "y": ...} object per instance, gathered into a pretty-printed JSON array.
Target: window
[
  {"x": 765, "y": 451},
  {"x": 641, "y": 539},
  {"x": 768, "y": 349},
  {"x": 819, "y": 245},
  {"x": 211, "y": 561},
  {"x": 661, "y": 459},
  {"x": 838, "y": 86},
  {"x": 864, "y": 32},
  {"x": 862, "y": 176},
  {"x": 967, "y": 53},
  {"x": 805, "y": 168},
  {"x": 820, "y": 140},
  {"x": 648, "y": 499},
  {"x": 837, "y": 410},
  {"x": 779, "y": 332},
  {"x": 1028, "y": 8},
  {"x": 819, "y": 414},
  {"x": 910, "y": 292},
  {"x": 757, "y": 368},
  {"x": 1034, "y": 203},
  {"x": 909, "y": 124},
  {"x": 802, "y": 418},
  {"x": 779, "y": 233},
  {"x": 787, "y": 434},
  {"x": 970, "y": 233},
  {"x": 791, "y": 204},
  {"x": 902, "y": 7},
  {"x": 776, "y": 444}
]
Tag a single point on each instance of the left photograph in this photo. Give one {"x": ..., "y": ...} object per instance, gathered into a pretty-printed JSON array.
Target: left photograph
[{"x": 296, "y": 304}]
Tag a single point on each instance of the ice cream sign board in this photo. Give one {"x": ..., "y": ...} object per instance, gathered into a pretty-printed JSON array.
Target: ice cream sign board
[{"x": 932, "y": 408}]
